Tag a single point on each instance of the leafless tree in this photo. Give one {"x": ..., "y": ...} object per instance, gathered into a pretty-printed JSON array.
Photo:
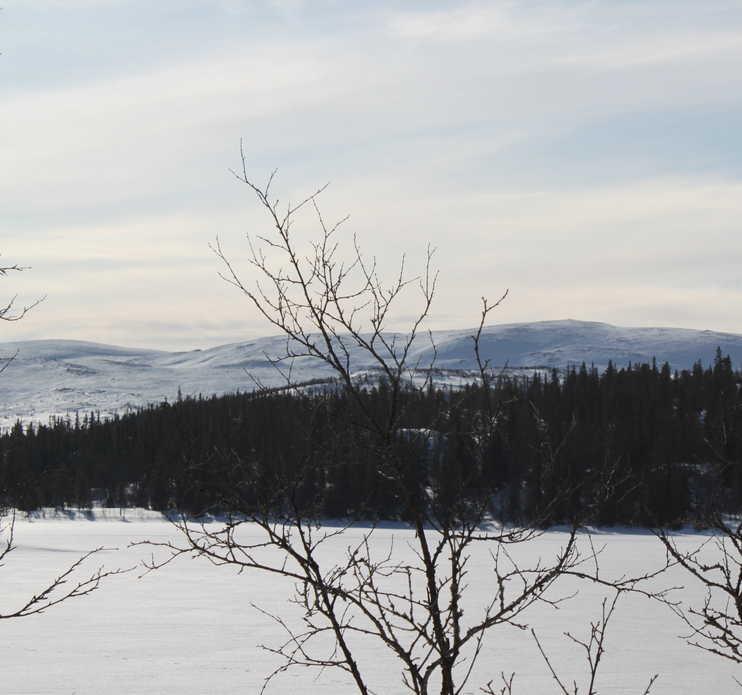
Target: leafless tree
[
  {"x": 10, "y": 311},
  {"x": 716, "y": 565},
  {"x": 593, "y": 648},
  {"x": 715, "y": 626},
  {"x": 72, "y": 582},
  {"x": 332, "y": 306}
]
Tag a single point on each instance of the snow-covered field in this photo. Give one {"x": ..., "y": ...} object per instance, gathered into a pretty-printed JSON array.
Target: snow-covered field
[{"x": 191, "y": 628}]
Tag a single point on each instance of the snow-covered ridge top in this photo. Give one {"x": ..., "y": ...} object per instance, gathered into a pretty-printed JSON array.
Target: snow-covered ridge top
[{"x": 60, "y": 377}]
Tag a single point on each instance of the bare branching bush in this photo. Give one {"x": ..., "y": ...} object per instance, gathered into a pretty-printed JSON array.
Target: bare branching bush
[
  {"x": 593, "y": 648},
  {"x": 412, "y": 607},
  {"x": 10, "y": 311},
  {"x": 330, "y": 303},
  {"x": 716, "y": 565},
  {"x": 73, "y": 581}
]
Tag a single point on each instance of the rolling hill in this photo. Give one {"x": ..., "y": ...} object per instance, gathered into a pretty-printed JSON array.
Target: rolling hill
[{"x": 61, "y": 377}]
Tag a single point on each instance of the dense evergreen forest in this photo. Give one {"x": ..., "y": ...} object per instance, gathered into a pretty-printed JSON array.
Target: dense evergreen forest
[{"x": 637, "y": 445}]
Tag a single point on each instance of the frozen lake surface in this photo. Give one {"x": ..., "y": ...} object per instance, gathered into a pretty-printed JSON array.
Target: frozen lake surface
[{"x": 191, "y": 628}]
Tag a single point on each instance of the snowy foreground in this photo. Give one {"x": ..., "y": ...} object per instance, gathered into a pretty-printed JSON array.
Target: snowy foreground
[{"x": 191, "y": 628}]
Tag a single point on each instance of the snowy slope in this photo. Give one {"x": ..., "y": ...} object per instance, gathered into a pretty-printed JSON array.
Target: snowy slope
[
  {"x": 561, "y": 343},
  {"x": 59, "y": 377}
]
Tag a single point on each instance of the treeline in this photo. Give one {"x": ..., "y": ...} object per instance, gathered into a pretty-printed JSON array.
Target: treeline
[{"x": 637, "y": 445}]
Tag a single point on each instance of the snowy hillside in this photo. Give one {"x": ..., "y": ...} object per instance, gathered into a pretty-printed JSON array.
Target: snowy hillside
[
  {"x": 561, "y": 343},
  {"x": 59, "y": 377}
]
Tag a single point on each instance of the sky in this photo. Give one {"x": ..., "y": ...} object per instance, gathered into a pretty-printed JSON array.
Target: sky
[{"x": 586, "y": 155}]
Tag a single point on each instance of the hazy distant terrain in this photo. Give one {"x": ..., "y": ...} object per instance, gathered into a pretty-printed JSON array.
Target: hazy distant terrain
[{"x": 59, "y": 377}]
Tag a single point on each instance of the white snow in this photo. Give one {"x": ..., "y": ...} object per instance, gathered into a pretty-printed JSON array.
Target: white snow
[
  {"x": 191, "y": 628},
  {"x": 59, "y": 378}
]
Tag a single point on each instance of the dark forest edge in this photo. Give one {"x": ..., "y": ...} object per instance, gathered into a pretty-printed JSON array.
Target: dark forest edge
[{"x": 638, "y": 446}]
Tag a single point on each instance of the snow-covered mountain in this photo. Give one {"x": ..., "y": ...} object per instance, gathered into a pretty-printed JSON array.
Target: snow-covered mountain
[{"x": 59, "y": 377}]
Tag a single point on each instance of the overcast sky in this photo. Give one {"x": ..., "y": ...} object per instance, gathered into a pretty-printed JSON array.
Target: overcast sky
[{"x": 586, "y": 155}]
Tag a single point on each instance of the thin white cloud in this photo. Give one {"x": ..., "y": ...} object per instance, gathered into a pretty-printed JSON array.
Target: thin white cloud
[
  {"x": 652, "y": 50},
  {"x": 458, "y": 24}
]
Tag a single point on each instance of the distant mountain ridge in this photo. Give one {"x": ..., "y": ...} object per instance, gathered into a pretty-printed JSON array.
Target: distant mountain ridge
[{"x": 60, "y": 377}]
